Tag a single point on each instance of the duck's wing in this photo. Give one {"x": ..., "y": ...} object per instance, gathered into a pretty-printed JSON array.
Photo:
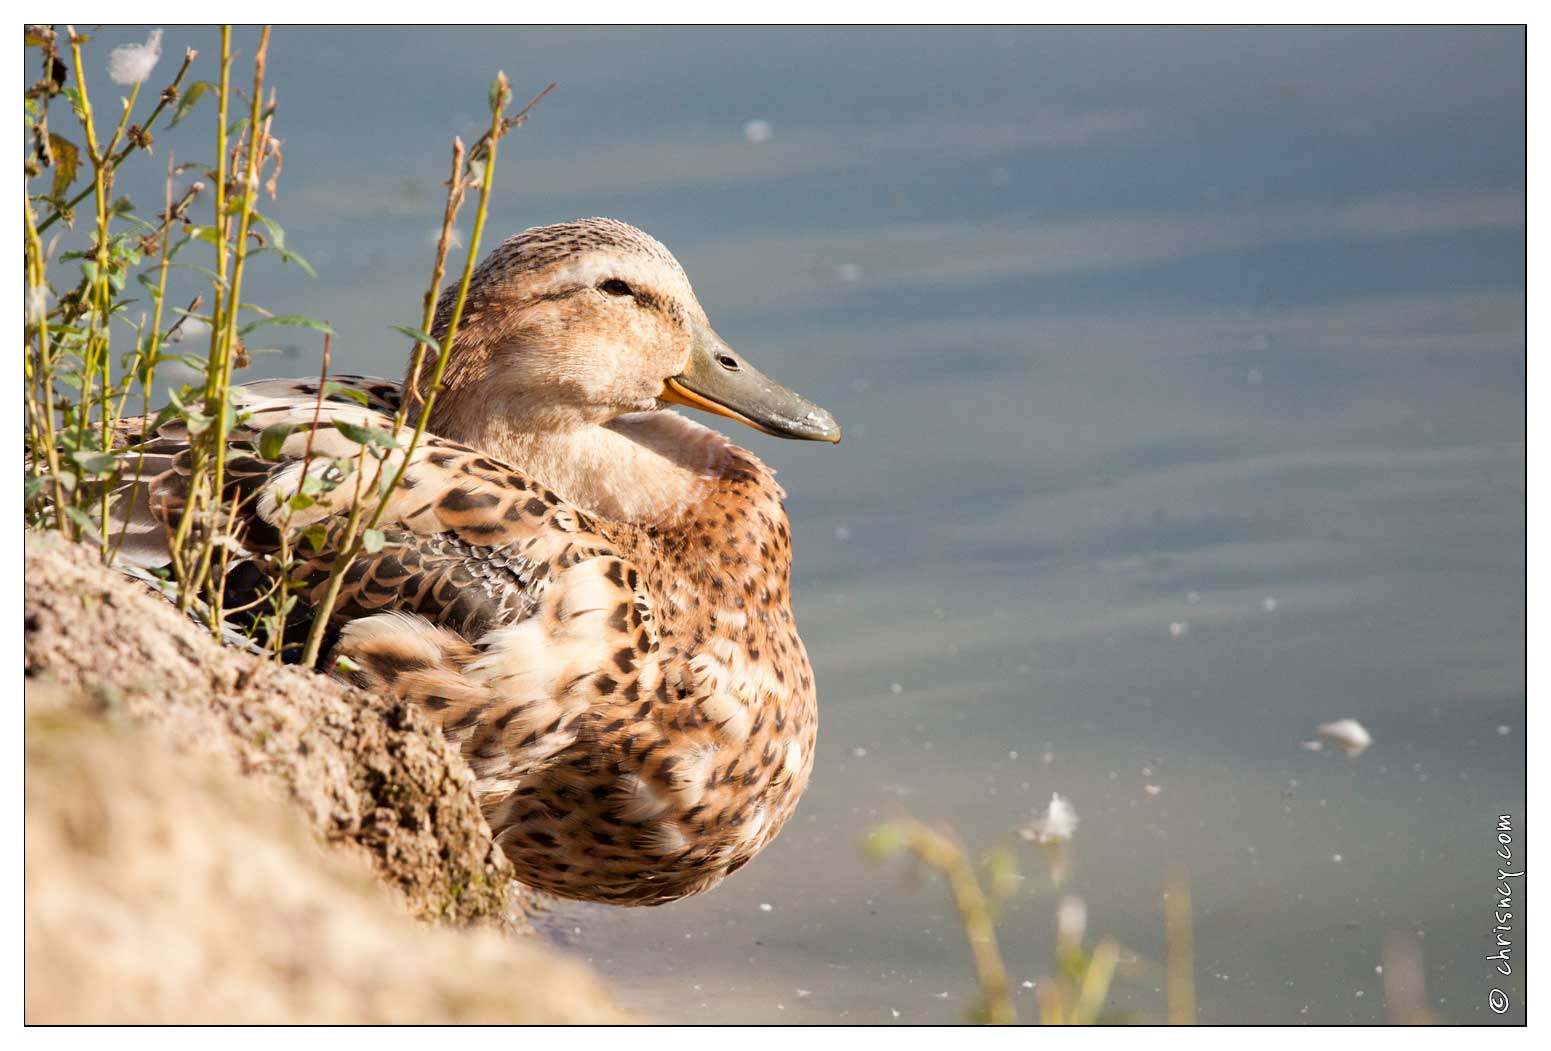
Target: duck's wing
[
  {"x": 491, "y": 602},
  {"x": 465, "y": 541},
  {"x": 156, "y": 464}
]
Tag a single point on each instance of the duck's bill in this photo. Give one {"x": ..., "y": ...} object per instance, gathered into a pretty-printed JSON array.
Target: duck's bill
[{"x": 718, "y": 379}]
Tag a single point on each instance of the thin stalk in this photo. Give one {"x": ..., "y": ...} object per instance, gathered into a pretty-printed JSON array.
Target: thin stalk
[
  {"x": 324, "y": 610},
  {"x": 153, "y": 351},
  {"x": 257, "y": 142},
  {"x": 455, "y": 190},
  {"x": 97, "y": 342},
  {"x": 48, "y": 440},
  {"x": 1180, "y": 972},
  {"x": 215, "y": 397},
  {"x": 285, "y": 526},
  {"x": 944, "y": 853}
]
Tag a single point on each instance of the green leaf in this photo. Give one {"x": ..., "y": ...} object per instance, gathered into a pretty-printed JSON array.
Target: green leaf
[
  {"x": 367, "y": 435},
  {"x": 288, "y": 319},
  {"x": 167, "y": 413},
  {"x": 203, "y": 271},
  {"x": 300, "y": 502},
  {"x": 30, "y": 493},
  {"x": 190, "y": 98},
  {"x": 198, "y": 423},
  {"x": 81, "y": 518},
  {"x": 420, "y": 337},
  {"x": 94, "y": 462},
  {"x": 67, "y": 163},
  {"x": 333, "y": 387},
  {"x": 207, "y": 234},
  {"x": 317, "y": 536},
  {"x": 277, "y": 242},
  {"x": 272, "y": 438},
  {"x": 371, "y": 540}
]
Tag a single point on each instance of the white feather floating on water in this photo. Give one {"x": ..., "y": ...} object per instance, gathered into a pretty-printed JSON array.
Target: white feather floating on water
[
  {"x": 132, "y": 63},
  {"x": 1349, "y": 735}
]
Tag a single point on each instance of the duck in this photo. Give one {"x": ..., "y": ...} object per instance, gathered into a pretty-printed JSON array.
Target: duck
[{"x": 588, "y": 591}]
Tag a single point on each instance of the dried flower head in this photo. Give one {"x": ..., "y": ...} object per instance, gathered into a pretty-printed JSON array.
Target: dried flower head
[
  {"x": 1056, "y": 825},
  {"x": 132, "y": 63}
]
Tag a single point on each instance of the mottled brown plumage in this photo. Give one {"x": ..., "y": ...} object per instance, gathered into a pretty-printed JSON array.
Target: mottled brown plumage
[{"x": 589, "y": 592}]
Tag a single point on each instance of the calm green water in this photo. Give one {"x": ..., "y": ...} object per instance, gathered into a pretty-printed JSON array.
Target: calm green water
[{"x": 1183, "y": 382}]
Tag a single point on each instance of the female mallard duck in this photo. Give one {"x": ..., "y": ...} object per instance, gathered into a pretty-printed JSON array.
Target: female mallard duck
[{"x": 588, "y": 591}]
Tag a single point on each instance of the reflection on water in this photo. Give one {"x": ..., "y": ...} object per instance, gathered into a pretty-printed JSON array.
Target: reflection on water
[{"x": 1182, "y": 376}]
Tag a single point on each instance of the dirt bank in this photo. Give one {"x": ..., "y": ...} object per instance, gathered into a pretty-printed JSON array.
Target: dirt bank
[{"x": 209, "y": 836}]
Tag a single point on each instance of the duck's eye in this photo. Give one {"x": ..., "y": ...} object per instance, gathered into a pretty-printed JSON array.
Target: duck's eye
[
  {"x": 615, "y": 287},
  {"x": 728, "y": 362}
]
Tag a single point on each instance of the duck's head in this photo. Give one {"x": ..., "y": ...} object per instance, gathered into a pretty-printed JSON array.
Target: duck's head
[{"x": 576, "y": 324}]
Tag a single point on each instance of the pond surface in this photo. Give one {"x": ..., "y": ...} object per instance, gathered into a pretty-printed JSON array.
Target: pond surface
[{"x": 1182, "y": 375}]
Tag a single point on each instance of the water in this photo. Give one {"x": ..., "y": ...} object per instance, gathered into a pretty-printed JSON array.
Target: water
[{"x": 1183, "y": 382}]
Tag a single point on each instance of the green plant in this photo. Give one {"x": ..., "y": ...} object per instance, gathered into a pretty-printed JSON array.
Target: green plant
[
  {"x": 1077, "y": 990},
  {"x": 78, "y": 382},
  {"x": 85, "y": 464}
]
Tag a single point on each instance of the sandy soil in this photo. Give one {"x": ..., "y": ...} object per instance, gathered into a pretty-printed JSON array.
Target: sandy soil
[{"x": 211, "y": 837}]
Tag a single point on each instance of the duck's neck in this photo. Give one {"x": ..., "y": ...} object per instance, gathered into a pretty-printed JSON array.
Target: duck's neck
[
  {"x": 649, "y": 469},
  {"x": 698, "y": 514}
]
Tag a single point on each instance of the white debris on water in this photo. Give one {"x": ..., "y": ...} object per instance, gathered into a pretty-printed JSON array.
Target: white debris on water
[
  {"x": 765, "y": 906},
  {"x": 896, "y": 688},
  {"x": 1178, "y": 629},
  {"x": 842, "y": 532},
  {"x": 757, "y": 131},
  {"x": 1269, "y": 603},
  {"x": 849, "y": 273},
  {"x": 1349, "y": 735}
]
